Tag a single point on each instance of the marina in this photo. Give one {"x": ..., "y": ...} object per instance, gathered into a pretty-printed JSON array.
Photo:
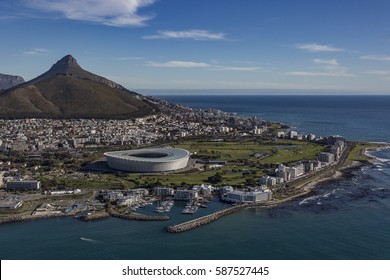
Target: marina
[{"x": 165, "y": 206}]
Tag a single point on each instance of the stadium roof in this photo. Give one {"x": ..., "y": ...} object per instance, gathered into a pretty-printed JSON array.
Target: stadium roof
[{"x": 150, "y": 155}]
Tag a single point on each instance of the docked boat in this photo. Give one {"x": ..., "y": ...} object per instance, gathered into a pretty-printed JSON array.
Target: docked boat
[
  {"x": 165, "y": 206},
  {"x": 160, "y": 209},
  {"x": 190, "y": 209}
]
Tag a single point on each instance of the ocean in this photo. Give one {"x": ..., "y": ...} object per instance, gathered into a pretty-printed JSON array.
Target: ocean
[{"x": 343, "y": 219}]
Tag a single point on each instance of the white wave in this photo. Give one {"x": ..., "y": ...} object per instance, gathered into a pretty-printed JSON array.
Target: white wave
[
  {"x": 330, "y": 193},
  {"x": 303, "y": 202},
  {"x": 378, "y": 189},
  {"x": 382, "y": 159},
  {"x": 89, "y": 240},
  {"x": 369, "y": 152},
  {"x": 327, "y": 195},
  {"x": 308, "y": 199}
]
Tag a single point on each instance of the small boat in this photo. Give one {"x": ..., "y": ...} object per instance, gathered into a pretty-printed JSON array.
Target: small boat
[
  {"x": 189, "y": 209},
  {"x": 159, "y": 209}
]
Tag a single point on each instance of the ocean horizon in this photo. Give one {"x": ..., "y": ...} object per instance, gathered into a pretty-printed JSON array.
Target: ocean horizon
[{"x": 258, "y": 92}]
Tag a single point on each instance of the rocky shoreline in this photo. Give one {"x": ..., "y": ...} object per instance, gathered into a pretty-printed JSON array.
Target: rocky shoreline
[
  {"x": 342, "y": 172},
  {"x": 24, "y": 218}
]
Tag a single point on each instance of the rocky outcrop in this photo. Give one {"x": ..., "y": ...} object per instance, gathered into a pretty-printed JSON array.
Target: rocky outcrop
[{"x": 9, "y": 81}]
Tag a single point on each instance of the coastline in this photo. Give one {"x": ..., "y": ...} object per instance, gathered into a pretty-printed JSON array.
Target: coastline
[
  {"x": 310, "y": 186},
  {"x": 347, "y": 166}
]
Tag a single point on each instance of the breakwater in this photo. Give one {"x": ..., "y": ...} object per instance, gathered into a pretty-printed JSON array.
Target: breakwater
[
  {"x": 94, "y": 216},
  {"x": 24, "y": 218},
  {"x": 205, "y": 219},
  {"x": 138, "y": 217}
]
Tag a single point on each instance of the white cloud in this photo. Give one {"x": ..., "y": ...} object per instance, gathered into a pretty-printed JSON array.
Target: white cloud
[
  {"x": 234, "y": 68},
  {"x": 318, "y": 48},
  {"x": 323, "y": 74},
  {"x": 379, "y": 72},
  {"x": 325, "y": 68},
  {"x": 36, "y": 51},
  {"x": 376, "y": 57},
  {"x": 193, "y": 34},
  {"x": 193, "y": 64},
  {"x": 179, "y": 64},
  {"x": 112, "y": 13},
  {"x": 332, "y": 62}
]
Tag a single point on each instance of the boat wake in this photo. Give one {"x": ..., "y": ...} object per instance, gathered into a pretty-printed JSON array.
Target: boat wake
[{"x": 89, "y": 240}]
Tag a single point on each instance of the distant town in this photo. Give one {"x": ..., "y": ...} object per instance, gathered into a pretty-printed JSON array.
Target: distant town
[{"x": 174, "y": 123}]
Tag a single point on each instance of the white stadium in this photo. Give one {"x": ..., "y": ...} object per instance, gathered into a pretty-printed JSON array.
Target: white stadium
[{"x": 148, "y": 160}]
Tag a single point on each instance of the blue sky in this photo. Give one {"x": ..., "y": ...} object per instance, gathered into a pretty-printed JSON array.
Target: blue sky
[{"x": 328, "y": 45}]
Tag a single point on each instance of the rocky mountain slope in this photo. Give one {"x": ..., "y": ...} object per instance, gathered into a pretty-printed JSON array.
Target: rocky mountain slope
[{"x": 68, "y": 91}]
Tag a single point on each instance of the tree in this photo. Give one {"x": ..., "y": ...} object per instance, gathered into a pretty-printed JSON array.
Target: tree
[{"x": 216, "y": 178}]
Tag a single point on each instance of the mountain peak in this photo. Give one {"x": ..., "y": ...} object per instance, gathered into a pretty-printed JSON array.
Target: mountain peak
[
  {"x": 65, "y": 65},
  {"x": 68, "y": 91}
]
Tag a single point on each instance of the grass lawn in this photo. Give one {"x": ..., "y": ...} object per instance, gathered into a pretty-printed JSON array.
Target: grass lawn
[
  {"x": 239, "y": 155},
  {"x": 357, "y": 151}
]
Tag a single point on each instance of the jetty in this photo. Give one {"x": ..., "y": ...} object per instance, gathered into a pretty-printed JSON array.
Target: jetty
[
  {"x": 93, "y": 216},
  {"x": 205, "y": 219},
  {"x": 138, "y": 217}
]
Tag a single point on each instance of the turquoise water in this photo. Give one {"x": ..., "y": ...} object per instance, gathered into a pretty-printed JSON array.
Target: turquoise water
[{"x": 344, "y": 219}]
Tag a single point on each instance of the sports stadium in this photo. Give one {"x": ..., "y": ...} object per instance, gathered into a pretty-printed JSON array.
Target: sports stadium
[{"x": 148, "y": 160}]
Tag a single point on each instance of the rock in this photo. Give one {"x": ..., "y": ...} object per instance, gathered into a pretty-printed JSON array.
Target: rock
[{"x": 8, "y": 81}]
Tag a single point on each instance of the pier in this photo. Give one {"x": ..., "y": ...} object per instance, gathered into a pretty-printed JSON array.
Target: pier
[{"x": 205, "y": 219}]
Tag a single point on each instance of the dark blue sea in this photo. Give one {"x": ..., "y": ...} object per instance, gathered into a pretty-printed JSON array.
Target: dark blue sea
[
  {"x": 344, "y": 219},
  {"x": 354, "y": 117}
]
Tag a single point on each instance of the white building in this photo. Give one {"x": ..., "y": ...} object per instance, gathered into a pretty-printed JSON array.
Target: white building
[
  {"x": 226, "y": 189},
  {"x": 203, "y": 189},
  {"x": 186, "y": 194},
  {"x": 225, "y": 129},
  {"x": 289, "y": 173},
  {"x": 139, "y": 192},
  {"x": 326, "y": 157},
  {"x": 247, "y": 197},
  {"x": 112, "y": 195},
  {"x": 128, "y": 200},
  {"x": 297, "y": 171},
  {"x": 259, "y": 130},
  {"x": 161, "y": 191},
  {"x": 280, "y": 134},
  {"x": 311, "y": 137},
  {"x": 292, "y": 134},
  {"x": 269, "y": 181}
]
